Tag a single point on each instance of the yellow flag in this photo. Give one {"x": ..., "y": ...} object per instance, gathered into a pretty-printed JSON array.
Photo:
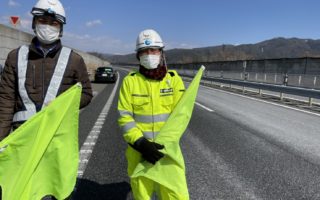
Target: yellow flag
[
  {"x": 41, "y": 157},
  {"x": 169, "y": 171}
]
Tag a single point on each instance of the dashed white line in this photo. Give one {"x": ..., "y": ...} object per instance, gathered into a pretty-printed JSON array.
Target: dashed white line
[
  {"x": 86, "y": 151},
  {"x": 204, "y": 107},
  {"x": 88, "y": 145}
]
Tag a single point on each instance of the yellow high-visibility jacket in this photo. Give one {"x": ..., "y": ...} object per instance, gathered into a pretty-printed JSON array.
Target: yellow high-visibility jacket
[{"x": 144, "y": 106}]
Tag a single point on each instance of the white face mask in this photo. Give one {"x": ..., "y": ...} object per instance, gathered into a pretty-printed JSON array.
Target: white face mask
[
  {"x": 47, "y": 34},
  {"x": 150, "y": 61}
]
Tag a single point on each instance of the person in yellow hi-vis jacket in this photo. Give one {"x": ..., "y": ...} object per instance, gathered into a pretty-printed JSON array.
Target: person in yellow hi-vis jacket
[{"x": 146, "y": 99}]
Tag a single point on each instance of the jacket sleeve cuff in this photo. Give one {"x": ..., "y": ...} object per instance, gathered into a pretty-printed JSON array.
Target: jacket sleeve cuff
[{"x": 132, "y": 136}]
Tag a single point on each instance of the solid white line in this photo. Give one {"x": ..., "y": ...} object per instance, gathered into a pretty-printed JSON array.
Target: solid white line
[
  {"x": 272, "y": 103},
  {"x": 88, "y": 145},
  {"x": 204, "y": 107}
]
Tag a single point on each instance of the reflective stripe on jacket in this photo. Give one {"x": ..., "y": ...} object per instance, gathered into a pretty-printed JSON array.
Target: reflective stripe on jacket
[
  {"x": 53, "y": 86},
  {"x": 145, "y": 105}
]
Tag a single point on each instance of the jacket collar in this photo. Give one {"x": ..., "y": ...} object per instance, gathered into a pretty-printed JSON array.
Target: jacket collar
[{"x": 51, "y": 49}]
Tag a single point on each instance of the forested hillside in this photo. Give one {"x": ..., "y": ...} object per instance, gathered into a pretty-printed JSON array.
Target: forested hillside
[{"x": 269, "y": 49}]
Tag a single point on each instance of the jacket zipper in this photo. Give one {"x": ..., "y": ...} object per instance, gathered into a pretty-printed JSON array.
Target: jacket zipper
[
  {"x": 150, "y": 83},
  {"x": 34, "y": 76},
  {"x": 43, "y": 75},
  {"x": 42, "y": 71}
]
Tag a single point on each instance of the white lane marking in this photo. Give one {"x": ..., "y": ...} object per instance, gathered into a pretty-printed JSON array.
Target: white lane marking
[
  {"x": 204, "y": 107},
  {"x": 87, "y": 147},
  {"x": 272, "y": 103},
  {"x": 86, "y": 151}
]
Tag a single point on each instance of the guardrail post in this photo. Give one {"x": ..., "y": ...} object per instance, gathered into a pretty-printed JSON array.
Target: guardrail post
[
  {"x": 246, "y": 76},
  {"x": 299, "y": 80},
  {"x": 310, "y": 101},
  {"x": 285, "y": 79},
  {"x": 205, "y": 73},
  {"x": 281, "y": 96},
  {"x": 314, "y": 82}
]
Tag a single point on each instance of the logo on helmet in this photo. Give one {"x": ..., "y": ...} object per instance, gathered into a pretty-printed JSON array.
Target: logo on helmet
[
  {"x": 147, "y": 42},
  {"x": 50, "y": 11}
]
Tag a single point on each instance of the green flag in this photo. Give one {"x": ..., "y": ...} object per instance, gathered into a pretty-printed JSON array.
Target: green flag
[
  {"x": 41, "y": 157},
  {"x": 170, "y": 170}
]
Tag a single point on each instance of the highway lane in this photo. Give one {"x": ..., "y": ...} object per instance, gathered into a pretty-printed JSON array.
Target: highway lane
[
  {"x": 242, "y": 149},
  {"x": 297, "y": 129},
  {"x": 105, "y": 176},
  {"x": 249, "y": 149}
]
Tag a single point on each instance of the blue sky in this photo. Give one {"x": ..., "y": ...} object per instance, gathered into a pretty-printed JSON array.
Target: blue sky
[{"x": 111, "y": 26}]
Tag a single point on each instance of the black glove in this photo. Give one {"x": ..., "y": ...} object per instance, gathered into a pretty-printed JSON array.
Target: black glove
[{"x": 149, "y": 150}]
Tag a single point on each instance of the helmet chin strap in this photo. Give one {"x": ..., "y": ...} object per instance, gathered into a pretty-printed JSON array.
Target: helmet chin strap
[{"x": 163, "y": 57}]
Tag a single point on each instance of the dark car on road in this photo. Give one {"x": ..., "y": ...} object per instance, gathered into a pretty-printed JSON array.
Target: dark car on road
[{"x": 105, "y": 74}]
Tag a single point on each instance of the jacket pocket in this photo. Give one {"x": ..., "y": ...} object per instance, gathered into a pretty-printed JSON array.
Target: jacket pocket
[
  {"x": 140, "y": 103},
  {"x": 166, "y": 103},
  {"x": 166, "y": 100}
]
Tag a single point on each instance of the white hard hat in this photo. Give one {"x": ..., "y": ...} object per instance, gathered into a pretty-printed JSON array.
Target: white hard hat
[
  {"x": 149, "y": 39},
  {"x": 50, "y": 7}
]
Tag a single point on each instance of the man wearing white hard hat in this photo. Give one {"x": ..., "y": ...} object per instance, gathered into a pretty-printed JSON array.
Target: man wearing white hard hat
[
  {"x": 147, "y": 97},
  {"x": 35, "y": 74},
  {"x": 41, "y": 62}
]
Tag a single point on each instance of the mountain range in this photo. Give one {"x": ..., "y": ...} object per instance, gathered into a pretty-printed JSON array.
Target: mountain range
[{"x": 269, "y": 49}]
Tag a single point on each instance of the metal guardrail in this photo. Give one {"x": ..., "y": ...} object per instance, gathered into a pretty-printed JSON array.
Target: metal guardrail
[
  {"x": 294, "y": 80},
  {"x": 304, "y": 92},
  {"x": 282, "y": 89}
]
